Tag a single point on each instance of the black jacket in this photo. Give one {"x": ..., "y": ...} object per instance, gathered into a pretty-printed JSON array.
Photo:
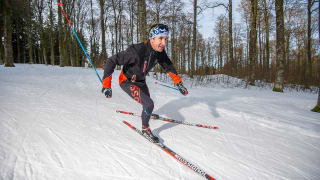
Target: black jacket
[{"x": 137, "y": 61}]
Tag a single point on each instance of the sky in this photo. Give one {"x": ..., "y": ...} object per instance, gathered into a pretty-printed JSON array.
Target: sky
[{"x": 208, "y": 18}]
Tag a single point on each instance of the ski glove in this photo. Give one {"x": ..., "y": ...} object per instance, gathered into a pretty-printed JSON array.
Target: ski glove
[
  {"x": 182, "y": 89},
  {"x": 107, "y": 92}
]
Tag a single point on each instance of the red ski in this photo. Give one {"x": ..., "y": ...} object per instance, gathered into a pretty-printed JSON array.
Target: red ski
[
  {"x": 173, "y": 154},
  {"x": 157, "y": 117}
]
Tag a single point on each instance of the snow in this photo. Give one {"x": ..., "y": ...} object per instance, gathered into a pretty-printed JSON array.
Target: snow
[{"x": 56, "y": 124}]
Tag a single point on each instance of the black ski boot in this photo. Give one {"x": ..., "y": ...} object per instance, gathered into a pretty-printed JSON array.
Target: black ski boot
[
  {"x": 148, "y": 134},
  {"x": 155, "y": 116}
]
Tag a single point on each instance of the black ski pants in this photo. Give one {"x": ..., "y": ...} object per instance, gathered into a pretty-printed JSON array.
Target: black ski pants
[{"x": 140, "y": 93}]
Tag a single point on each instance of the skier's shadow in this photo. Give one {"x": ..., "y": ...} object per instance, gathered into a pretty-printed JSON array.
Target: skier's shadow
[{"x": 171, "y": 110}]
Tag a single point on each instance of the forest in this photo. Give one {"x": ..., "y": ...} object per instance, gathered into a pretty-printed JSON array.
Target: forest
[{"x": 276, "y": 42}]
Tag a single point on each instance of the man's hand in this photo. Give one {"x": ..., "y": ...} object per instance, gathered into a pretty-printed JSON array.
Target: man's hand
[
  {"x": 182, "y": 89},
  {"x": 107, "y": 92}
]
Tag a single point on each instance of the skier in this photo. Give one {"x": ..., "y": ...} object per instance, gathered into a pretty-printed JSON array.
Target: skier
[{"x": 137, "y": 61}]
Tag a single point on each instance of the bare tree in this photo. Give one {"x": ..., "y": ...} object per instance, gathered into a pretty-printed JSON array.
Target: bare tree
[
  {"x": 51, "y": 32},
  {"x": 194, "y": 37},
  {"x": 40, "y": 6},
  {"x": 233, "y": 69},
  {"x": 309, "y": 58},
  {"x": 103, "y": 35},
  {"x": 1, "y": 45},
  {"x": 61, "y": 34},
  {"x": 7, "y": 14},
  {"x": 253, "y": 41},
  {"x": 317, "y": 107},
  {"x": 142, "y": 20},
  {"x": 278, "y": 85},
  {"x": 267, "y": 46}
]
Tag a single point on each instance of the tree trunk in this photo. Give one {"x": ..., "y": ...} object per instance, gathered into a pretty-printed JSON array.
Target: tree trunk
[
  {"x": 121, "y": 47},
  {"x": 189, "y": 53},
  {"x": 142, "y": 20},
  {"x": 131, "y": 19},
  {"x": 40, "y": 8},
  {"x": 51, "y": 34},
  {"x": 267, "y": 59},
  {"x": 287, "y": 54},
  {"x": 220, "y": 48},
  {"x": 278, "y": 85},
  {"x": 8, "y": 52},
  {"x": 233, "y": 69},
  {"x": 253, "y": 41},
  {"x": 1, "y": 51},
  {"x": 259, "y": 64},
  {"x": 115, "y": 41},
  {"x": 194, "y": 37},
  {"x": 18, "y": 49},
  {"x": 92, "y": 36},
  {"x": 317, "y": 107},
  {"x": 61, "y": 30},
  {"x": 44, "y": 48},
  {"x": 173, "y": 35},
  {"x": 103, "y": 34},
  {"x": 309, "y": 60}
]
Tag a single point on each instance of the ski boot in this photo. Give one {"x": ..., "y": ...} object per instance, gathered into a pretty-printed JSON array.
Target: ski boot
[{"x": 148, "y": 134}]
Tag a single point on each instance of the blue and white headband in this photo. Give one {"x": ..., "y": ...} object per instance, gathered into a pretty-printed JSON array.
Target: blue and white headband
[{"x": 158, "y": 30}]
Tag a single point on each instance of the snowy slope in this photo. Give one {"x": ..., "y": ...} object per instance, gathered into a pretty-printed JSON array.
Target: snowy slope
[{"x": 55, "y": 124}]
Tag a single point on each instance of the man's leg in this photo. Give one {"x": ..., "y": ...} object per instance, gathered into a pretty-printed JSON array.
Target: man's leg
[{"x": 140, "y": 93}]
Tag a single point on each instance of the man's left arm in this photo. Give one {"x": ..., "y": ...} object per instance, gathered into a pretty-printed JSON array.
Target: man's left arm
[{"x": 167, "y": 65}]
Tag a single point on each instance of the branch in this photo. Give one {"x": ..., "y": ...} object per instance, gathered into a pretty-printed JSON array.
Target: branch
[
  {"x": 216, "y": 5},
  {"x": 316, "y": 9}
]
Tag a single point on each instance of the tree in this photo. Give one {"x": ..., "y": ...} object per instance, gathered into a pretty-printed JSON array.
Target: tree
[
  {"x": 1, "y": 35},
  {"x": 51, "y": 32},
  {"x": 142, "y": 20},
  {"x": 309, "y": 60},
  {"x": 61, "y": 34},
  {"x": 317, "y": 107},
  {"x": 267, "y": 48},
  {"x": 253, "y": 41},
  {"x": 221, "y": 29},
  {"x": 194, "y": 37},
  {"x": 233, "y": 68},
  {"x": 40, "y": 7},
  {"x": 7, "y": 15},
  {"x": 103, "y": 35},
  {"x": 278, "y": 85}
]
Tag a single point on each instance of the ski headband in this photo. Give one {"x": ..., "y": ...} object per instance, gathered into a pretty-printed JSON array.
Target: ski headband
[{"x": 158, "y": 30}]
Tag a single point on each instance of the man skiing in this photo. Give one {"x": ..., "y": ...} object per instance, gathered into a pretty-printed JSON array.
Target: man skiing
[{"x": 137, "y": 61}]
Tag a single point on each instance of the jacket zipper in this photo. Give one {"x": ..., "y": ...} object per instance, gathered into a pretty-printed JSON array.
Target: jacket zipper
[{"x": 146, "y": 64}]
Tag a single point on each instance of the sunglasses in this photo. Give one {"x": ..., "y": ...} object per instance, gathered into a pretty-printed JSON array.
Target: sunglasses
[{"x": 160, "y": 26}]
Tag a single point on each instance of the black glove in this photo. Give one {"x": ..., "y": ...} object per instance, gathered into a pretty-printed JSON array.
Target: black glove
[
  {"x": 182, "y": 89},
  {"x": 107, "y": 92}
]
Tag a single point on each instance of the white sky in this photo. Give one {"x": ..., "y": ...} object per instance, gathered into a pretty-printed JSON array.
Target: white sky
[{"x": 207, "y": 19}]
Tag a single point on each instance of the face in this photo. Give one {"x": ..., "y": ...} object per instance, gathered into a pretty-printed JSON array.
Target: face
[{"x": 158, "y": 43}]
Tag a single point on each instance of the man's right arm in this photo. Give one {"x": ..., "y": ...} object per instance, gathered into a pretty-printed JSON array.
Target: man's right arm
[{"x": 122, "y": 58}]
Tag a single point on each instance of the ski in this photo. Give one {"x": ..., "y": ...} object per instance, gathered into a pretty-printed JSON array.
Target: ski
[
  {"x": 157, "y": 117},
  {"x": 173, "y": 154}
]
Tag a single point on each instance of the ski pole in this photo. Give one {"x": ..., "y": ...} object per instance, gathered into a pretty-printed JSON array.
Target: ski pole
[
  {"x": 166, "y": 86},
  {"x": 157, "y": 117},
  {"x": 89, "y": 60}
]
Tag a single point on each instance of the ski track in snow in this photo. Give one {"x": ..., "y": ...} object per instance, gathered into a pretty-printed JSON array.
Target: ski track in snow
[{"x": 56, "y": 124}]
